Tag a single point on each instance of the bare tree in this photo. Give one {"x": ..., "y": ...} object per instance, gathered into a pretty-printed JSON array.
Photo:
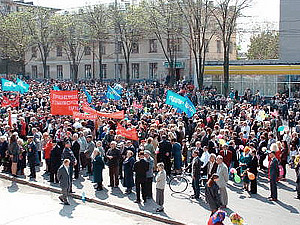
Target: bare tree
[
  {"x": 226, "y": 13},
  {"x": 200, "y": 30}
]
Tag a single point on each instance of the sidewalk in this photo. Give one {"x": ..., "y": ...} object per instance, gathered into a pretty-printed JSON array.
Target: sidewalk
[{"x": 180, "y": 208}]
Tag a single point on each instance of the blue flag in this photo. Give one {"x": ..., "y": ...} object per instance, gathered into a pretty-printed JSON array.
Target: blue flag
[
  {"x": 56, "y": 88},
  {"x": 182, "y": 104},
  {"x": 118, "y": 88},
  {"x": 8, "y": 85},
  {"x": 112, "y": 93},
  {"x": 88, "y": 96},
  {"x": 23, "y": 86}
]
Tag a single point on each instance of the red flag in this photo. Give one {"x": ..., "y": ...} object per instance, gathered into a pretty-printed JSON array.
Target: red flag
[
  {"x": 116, "y": 115},
  {"x": 63, "y": 102},
  {"x": 11, "y": 102},
  {"x": 84, "y": 116},
  {"x": 137, "y": 106},
  {"x": 129, "y": 134}
]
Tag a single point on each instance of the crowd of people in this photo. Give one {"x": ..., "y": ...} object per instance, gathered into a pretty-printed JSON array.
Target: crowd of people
[{"x": 227, "y": 138}]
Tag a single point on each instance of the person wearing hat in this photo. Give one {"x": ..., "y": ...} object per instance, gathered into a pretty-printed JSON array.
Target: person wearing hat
[
  {"x": 149, "y": 174},
  {"x": 273, "y": 175},
  {"x": 31, "y": 156}
]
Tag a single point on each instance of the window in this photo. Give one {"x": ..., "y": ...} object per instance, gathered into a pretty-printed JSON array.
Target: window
[
  {"x": 104, "y": 71},
  {"x": 34, "y": 52},
  {"x": 88, "y": 71},
  {"x": 87, "y": 50},
  {"x": 60, "y": 75},
  {"x": 152, "y": 45},
  {"x": 135, "y": 47},
  {"x": 118, "y": 71},
  {"x": 58, "y": 51},
  {"x": 103, "y": 49},
  {"x": 135, "y": 70},
  {"x": 152, "y": 71},
  {"x": 175, "y": 45},
  {"x": 34, "y": 71},
  {"x": 206, "y": 45},
  {"x": 231, "y": 47},
  {"x": 118, "y": 47},
  {"x": 219, "y": 47},
  {"x": 47, "y": 71}
]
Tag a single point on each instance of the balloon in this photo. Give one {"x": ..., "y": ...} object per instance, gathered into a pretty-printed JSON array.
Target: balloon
[
  {"x": 281, "y": 128},
  {"x": 251, "y": 176},
  {"x": 237, "y": 179},
  {"x": 286, "y": 129},
  {"x": 233, "y": 170},
  {"x": 222, "y": 142}
]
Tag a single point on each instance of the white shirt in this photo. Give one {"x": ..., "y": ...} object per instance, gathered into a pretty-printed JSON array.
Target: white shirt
[
  {"x": 67, "y": 169},
  {"x": 205, "y": 158}
]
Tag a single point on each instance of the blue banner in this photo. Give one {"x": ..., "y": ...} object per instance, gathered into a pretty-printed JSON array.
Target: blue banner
[
  {"x": 23, "y": 86},
  {"x": 183, "y": 104},
  {"x": 9, "y": 85},
  {"x": 118, "y": 88},
  {"x": 56, "y": 88},
  {"x": 88, "y": 96},
  {"x": 112, "y": 93}
]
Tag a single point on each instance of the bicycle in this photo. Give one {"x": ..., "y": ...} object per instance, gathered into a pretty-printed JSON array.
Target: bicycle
[{"x": 179, "y": 183}]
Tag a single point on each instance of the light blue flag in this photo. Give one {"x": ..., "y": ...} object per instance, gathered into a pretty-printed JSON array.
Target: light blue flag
[
  {"x": 8, "y": 85},
  {"x": 190, "y": 108},
  {"x": 23, "y": 86},
  {"x": 88, "y": 96},
  {"x": 56, "y": 88},
  {"x": 112, "y": 93},
  {"x": 182, "y": 104},
  {"x": 118, "y": 88}
]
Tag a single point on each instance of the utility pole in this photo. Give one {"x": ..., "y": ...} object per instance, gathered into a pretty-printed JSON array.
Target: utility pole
[{"x": 117, "y": 77}]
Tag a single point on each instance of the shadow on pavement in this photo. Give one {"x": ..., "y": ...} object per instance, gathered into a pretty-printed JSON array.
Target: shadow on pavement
[
  {"x": 78, "y": 182},
  {"x": 13, "y": 188},
  {"x": 261, "y": 198},
  {"x": 237, "y": 189},
  {"x": 67, "y": 210},
  {"x": 102, "y": 194},
  {"x": 288, "y": 207},
  {"x": 150, "y": 206},
  {"x": 116, "y": 191}
]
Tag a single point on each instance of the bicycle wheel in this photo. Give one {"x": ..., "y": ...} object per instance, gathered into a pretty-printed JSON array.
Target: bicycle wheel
[{"x": 178, "y": 184}]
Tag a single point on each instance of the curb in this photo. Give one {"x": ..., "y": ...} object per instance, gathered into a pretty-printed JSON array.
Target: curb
[{"x": 92, "y": 200}]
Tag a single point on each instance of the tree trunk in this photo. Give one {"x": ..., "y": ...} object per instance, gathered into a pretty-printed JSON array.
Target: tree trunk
[
  {"x": 127, "y": 72},
  {"x": 100, "y": 61},
  {"x": 75, "y": 72},
  {"x": 45, "y": 68},
  {"x": 226, "y": 72}
]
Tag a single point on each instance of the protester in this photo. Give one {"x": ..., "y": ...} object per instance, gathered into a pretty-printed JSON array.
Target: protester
[
  {"x": 149, "y": 174},
  {"x": 212, "y": 194},
  {"x": 160, "y": 186},
  {"x": 273, "y": 175},
  {"x": 98, "y": 166},
  {"x": 128, "y": 163},
  {"x": 14, "y": 151},
  {"x": 63, "y": 175},
  {"x": 113, "y": 155},
  {"x": 252, "y": 168},
  {"x": 31, "y": 156},
  {"x": 222, "y": 171},
  {"x": 196, "y": 175}
]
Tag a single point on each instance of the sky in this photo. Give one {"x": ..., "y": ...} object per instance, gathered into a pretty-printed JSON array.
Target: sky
[{"x": 262, "y": 14}]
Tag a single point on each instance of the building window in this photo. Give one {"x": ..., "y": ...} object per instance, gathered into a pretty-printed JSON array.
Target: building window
[
  {"x": 88, "y": 71},
  {"x": 219, "y": 46},
  {"x": 47, "y": 71},
  {"x": 59, "y": 51},
  {"x": 87, "y": 50},
  {"x": 60, "y": 75},
  {"x": 118, "y": 71},
  {"x": 118, "y": 47},
  {"x": 206, "y": 45},
  {"x": 135, "y": 47},
  {"x": 135, "y": 70},
  {"x": 103, "y": 49},
  {"x": 34, "y": 71},
  {"x": 104, "y": 71},
  {"x": 34, "y": 52},
  {"x": 152, "y": 71},
  {"x": 152, "y": 45},
  {"x": 175, "y": 45},
  {"x": 231, "y": 47}
]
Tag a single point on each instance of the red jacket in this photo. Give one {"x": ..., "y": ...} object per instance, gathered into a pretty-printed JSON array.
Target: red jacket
[
  {"x": 226, "y": 158},
  {"x": 47, "y": 149}
]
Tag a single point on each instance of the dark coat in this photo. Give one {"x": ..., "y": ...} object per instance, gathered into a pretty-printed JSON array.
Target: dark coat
[
  {"x": 3, "y": 148},
  {"x": 76, "y": 149},
  {"x": 128, "y": 172},
  {"x": 98, "y": 166},
  {"x": 253, "y": 165},
  {"x": 55, "y": 159},
  {"x": 176, "y": 151},
  {"x": 213, "y": 170},
  {"x": 227, "y": 158},
  {"x": 116, "y": 154},
  {"x": 164, "y": 148},
  {"x": 212, "y": 196},
  {"x": 140, "y": 168},
  {"x": 31, "y": 154},
  {"x": 63, "y": 177},
  {"x": 68, "y": 154},
  {"x": 274, "y": 169}
]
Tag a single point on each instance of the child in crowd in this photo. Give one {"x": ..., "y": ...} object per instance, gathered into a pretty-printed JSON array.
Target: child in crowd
[{"x": 160, "y": 186}]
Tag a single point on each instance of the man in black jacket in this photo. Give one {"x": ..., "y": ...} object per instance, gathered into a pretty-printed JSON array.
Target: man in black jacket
[
  {"x": 55, "y": 161},
  {"x": 274, "y": 172},
  {"x": 164, "y": 155},
  {"x": 76, "y": 150},
  {"x": 113, "y": 155},
  {"x": 140, "y": 168},
  {"x": 32, "y": 156},
  {"x": 196, "y": 168},
  {"x": 68, "y": 154}
]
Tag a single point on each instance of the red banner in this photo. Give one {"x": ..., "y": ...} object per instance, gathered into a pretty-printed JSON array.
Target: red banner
[
  {"x": 116, "y": 115},
  {"x": 129, "y": 134},
  {"x": 84, "y": 116},
  {"x": 11, "y": 102},
  {"x": 64, "y": 102}
]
